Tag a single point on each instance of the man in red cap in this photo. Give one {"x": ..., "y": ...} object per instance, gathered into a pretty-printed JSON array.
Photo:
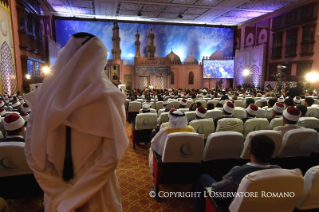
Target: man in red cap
[
  {"x": 251, "y": 112},
  {"x": 290, "y": 118},
  {"x": 183, "y": 103},
  {"x": 200, "y": 113},
  {"x": 177, "y": 122},
  {"x": 228, "y": 109},
  {"x": 278, "y": 108},
  {"x": 14, "y": 126}
]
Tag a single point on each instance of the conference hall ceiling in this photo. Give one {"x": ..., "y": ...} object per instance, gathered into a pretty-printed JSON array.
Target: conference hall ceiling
[{"x": 216, "y": 12}]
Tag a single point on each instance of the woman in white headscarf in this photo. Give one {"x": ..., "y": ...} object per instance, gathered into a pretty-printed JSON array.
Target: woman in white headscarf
[{"x": 79, "y": 95}]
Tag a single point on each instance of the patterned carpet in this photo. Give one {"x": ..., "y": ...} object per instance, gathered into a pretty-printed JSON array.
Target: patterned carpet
[{"x": 135, "y": 183}]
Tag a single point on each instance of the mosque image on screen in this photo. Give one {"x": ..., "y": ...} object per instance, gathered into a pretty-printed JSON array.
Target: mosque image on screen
[{"x": 218, "y": 69}]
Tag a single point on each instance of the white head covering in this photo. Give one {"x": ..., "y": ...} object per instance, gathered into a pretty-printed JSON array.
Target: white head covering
[
  {"x": 177, "y": 119},
  {"x": 76, "y": 93}
]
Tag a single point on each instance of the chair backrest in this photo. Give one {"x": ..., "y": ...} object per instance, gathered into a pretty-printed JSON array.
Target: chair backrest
[
  {"x": 240, "y": 98},
  {"x": 13, "y": 161},
  {"x": 312, "y": 112},
  {"x": 302, "y": 101},
  {"x": 163, "y": 118},
  {"x": 239, "y": 113},
  {"x": 274, "y": 135},
  {"x": 255, "y": 125},
  {"x": 268, "y": 113},
  {"x": 127, "y": 101},
  {"x": 145, "y": 121},
  {"x": 214, "y": 101},
  {"x": 308, "y": 122},
  {"x": 239, "y": 103},
  {"x": 190, "y": 115},
  {"x": 189, "y": 103},
  {"x": 207, "y": 99},
  {"x": 214, "y": 114},
  {"x": 223, "y": 145},
  {"x": 151, "y": 111},
  {"x": 175, "y": 104},
  {"x": 261, "y": 113},
  {"x": 217, "y": 99},
  {"x": 203, "y": 126},
  {"x": 258, "y": 103},
  {"x": 276, "y": 122},
  {"x": 184, "y": 110},
  {"x": 202, "y": 101},
  {"x": 134, "y": 107},
  {"x": 223, "y": 101},
  {"x": 159, "y": 105},
  {"x": 183, "y": 148},
  {"x": 159, "y": 112},
  {"x": 298, "y": 142},
  {"x": 310, "y": 198},
  {"x": 230, "y": 124},
  {"x": 266, "y": 183}
]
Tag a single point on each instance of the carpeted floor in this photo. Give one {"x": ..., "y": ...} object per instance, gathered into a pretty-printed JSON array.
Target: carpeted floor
[{"x": 135, "y": 183}]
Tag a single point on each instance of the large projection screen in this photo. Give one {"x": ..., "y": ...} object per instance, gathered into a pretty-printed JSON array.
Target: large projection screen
[{"x": 218, "y": 69}]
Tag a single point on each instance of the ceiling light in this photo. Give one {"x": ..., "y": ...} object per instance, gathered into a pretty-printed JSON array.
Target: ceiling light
[
  {"x": 139, "y": 14},
  {"x": 180, "y": 16}
]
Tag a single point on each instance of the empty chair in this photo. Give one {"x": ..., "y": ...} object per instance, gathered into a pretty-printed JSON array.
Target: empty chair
[
  {"x": 255, "y": 124},
  {"x": 310, "y": 198},
  {"x": 180, "y": 162},
  {"x": 276, "y": 122},
  {"x": 312, "y": 112},
  {"x": 189, "y": 103},
  {"x": 214, "y": 114},
  {"x": 239, "y": 113},
  {"x": 239, "y": 103},
  {"x": 261, "y": 113},
  {"x": 190, "y": 115},
  {"x": 144, "y": 124},
  {"x": 202, "y": 101},
  {"x": 297, "y": 146},
  {"x": 203, "y": 126},
  {"x": 133, "y": 110},
  {"x": 221, "y": 153},
  {"x": 274, "y": 135},
  {"x": 268, "y": 113},
  {"x": 159, "y": 105},
  {"x": 162, "y": 118},
  {"x": 230, "y": 124},
  {"x": 151, "y": 111},
  {"x": 184, "y": 110},
  {"x": 270, "y": 180},
  {"x": 308, "y": 122},
  {"x": 258, "y": 102},
  {"x": 16, "y": 178}
]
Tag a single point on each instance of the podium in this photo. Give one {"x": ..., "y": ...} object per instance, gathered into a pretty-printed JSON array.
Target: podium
[{"x": 122, "y": 87}]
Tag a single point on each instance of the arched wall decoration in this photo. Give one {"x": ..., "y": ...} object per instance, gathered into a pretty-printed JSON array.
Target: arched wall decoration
[
  {"x": 247, "y": 61},
  {"x": 7, "y": 70},
  {"x": 239, "y": 76},
  {"x": 191, "y": 78},
  {"x": 250, "y": 39},
  {"x": 255, "y": 75},
  {"x": 262, "y": 37}
]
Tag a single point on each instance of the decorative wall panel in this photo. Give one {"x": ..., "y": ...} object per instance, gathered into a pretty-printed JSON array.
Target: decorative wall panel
[{"x": 143, "y": 82}]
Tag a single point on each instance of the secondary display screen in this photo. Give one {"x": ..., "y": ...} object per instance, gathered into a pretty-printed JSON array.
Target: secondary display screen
[{"x": 218, "y": 69}]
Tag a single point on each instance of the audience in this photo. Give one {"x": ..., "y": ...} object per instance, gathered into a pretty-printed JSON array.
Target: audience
[
  {"x": 200, "y": 113},
  {"x": 183, "y": 103},
  {"x": 309, "y": 101},
  {"x": 14, "y": 126},
  {"x": 303, "y": 109},
  {"x": 228, "y": 109},
  {"x": 210, "y": 106},
  {"x": 288, "y": 102},
  {"x": 263, "y": 102},
  {"x": 260, "y": 151},
  {"x": 278, "y": 108},
  {"x": 297, "y": 100},
  {"x": 251, "y": 112}
]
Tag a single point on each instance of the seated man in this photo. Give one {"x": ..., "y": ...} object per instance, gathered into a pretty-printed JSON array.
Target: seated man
[
  {"x": 183, "y": 103},
  {"x": 200, "y": 113},
  {"x": 297, "y": 100},
  {"x": 290, "y": 118},
  {"x": 278, "y": 108},
  {"x": 14, "y": 126},
  {"x": 288, "y": 102},
  {"x": 177, "y": 122},
  {"x": 194, "y": 106},
  {"x": 210, "y": 106},
  {"x": 263, "y": 102},
  {"x": 271, "y": 103},
  {"x": 303, "y": 109},
  {"x": 228, "y": 109},
  {"x": 309, "y": 102},
  {"x": 251, "y": 112},
  {"x": 16, "y": 106},
  {"x": 281, "y": 99},
  {"x": 260, "y": 151},
  {"x": 249, "y": 101}
]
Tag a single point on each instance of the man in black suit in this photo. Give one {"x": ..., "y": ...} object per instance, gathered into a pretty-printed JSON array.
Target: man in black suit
[{"x": 14, "y": 126}]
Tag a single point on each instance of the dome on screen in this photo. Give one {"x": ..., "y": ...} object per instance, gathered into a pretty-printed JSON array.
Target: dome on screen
[
  {"x": 191, "y": 60},
  {"x": 173, "y": 57},
  {"x": 217, "y": 54}
]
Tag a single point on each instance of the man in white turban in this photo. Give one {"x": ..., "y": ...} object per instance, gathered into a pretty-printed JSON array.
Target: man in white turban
[{"x": 78, "y": 108}]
